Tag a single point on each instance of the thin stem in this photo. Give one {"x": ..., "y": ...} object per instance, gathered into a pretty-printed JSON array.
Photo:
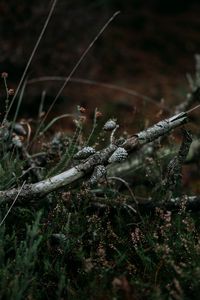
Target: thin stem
[
  {"x": 109, "y": 86},
  {"x": 55, "y": 120},
  {"x": 127, "y": 186},
  {"x": 19, "y": 104},
  {"x": 32, "y": 54},
  {"x": 41, "y": 106},
  {"x": 93, "y": 127},
  {"x": 40, "y": 123},
  {"x": 12, "y": 203},
  {"x": 79, "y": 62},
  {"x": 112, "y": 134},
  {"x": 6, "y": 101},
  {"x": 6, "y": 87},
  {"x": 192, "y": 109}
]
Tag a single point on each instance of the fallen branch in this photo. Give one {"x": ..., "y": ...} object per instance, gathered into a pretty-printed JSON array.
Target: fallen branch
[{"x": 99, "y": 158}]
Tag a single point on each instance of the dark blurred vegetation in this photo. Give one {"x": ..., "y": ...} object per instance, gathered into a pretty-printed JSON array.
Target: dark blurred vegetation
[{"x": 149, "y": 47}]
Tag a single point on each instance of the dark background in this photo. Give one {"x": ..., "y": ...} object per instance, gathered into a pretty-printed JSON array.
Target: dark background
[{"x": 149, "y": 48}]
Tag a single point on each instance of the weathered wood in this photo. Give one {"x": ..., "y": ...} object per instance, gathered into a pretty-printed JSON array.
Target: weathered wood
[{"x": 99, "y": 158}]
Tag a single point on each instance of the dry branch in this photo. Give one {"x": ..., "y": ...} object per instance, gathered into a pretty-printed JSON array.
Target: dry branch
[
  {"x": 99, "y": 158},
  {"x": 151, "y": 134}
]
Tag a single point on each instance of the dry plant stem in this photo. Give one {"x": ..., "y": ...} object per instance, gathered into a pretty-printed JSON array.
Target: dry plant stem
[
  {"x": 93, "y": 127},
  {"x": 109, "y": 86},
  {"x": 19, "y": 104},
  {"x": 99, "y": 158},
  {"x": 55, "y": 120},
  {"x": 112, "y": 136},
  {"x": 32, "y": 55},
  {"x": 15, "y": 199},
  {"x": 7, "y": 98},
  {"x": 79, "y": 62},
  {"x": 191, "y": 98},
  {"x": 39, "y": 121}
]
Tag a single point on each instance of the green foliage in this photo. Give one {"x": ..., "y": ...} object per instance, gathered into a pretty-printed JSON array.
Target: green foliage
[
  {"x": 18, "y": 257},
  {"x": 76, "y": 250},
  {"x": 10, "y": 170},
  {"x": 67, "y": 246}
]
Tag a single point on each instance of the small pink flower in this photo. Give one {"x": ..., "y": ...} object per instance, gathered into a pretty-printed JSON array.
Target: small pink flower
[{"x": 4, "y": 75}]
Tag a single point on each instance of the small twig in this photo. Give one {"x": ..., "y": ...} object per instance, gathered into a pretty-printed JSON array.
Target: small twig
[{"x": 32, "y": 55}]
